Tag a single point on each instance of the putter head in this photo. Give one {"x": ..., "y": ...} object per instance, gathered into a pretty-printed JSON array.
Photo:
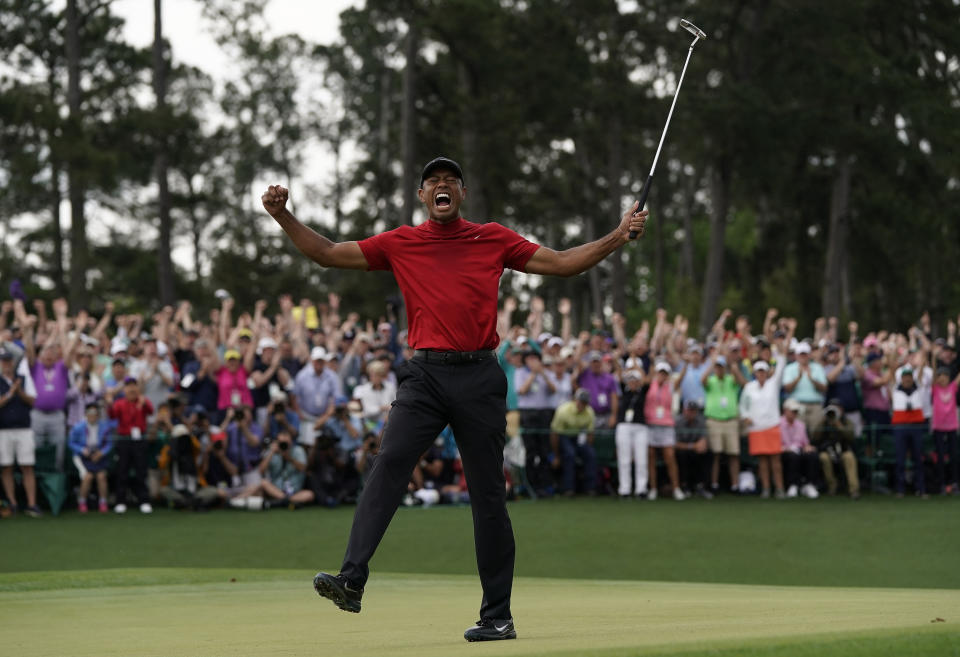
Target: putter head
[{"x": 692, "y": 29}]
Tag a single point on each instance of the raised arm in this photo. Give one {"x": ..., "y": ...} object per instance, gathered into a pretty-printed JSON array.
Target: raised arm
[
  {"x": 578, "y": 259},
  {"x": 344, "y": 255}
]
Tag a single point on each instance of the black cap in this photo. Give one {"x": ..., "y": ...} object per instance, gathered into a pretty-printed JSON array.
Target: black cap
[
  {"x": 5, "y": 355},
  {"x": 441, "y": 163}
]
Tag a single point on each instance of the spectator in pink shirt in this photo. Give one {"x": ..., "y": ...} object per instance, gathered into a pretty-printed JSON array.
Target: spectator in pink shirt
[
  {"x": 232, "y": 382},
  {"x": 944, "y": 425},
  {"x": 799, "y": 456},
  {"x": 661, "y": 433}
]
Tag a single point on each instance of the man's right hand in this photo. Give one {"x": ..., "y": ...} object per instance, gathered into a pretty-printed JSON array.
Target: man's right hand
[{"x": 274, "y": 199}]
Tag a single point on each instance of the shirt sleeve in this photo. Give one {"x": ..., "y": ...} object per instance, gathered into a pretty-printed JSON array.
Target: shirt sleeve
[
  {"x": 517, "y": 250},
  {"x": 375, "y": 250}
]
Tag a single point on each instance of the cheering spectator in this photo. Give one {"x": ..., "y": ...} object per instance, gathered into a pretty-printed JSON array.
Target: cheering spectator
[
  {"x": 721, "y": 385},
  {"x": 79, "y": 396},
  {"x": 944, "y": 426},
  {"x": 833, "y": 438},
  {"x": 603, "y": 389},
  {"x": 874, "y": 385},
  {"x": 90, "y": 442},
  {"x": 693, "y": 460},
  {"x": 691, "y": 377},
  {"x": 131, "y": 412},
  {"x": 198, "y": 379},
  {"x": 661, "y": 435},
  {"x": 799, "y": 456},
  {"x": 631, "y": 436},
  {"x": 232, "y": 383},
  {"x": 154, "y": 372},
  {"x": 534, "y": 394},
  {"x": 268, "y": 377},
  {"x": 316, "y": 387},
  {"x": 48, "y": 418},
  {"x": 843, "y": 371},
  {"x": 805, "y": 381},
  {"x": 908, "y": 430},
  {"x": 760, "y": 410},
  {"x": 572, "y": 436},
  {"x": 17, "y": 395}
]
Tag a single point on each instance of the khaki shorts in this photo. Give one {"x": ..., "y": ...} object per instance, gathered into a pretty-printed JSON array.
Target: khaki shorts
[
  {"x": 17, "y": 444},
  {"x": 724, "y": 436}
]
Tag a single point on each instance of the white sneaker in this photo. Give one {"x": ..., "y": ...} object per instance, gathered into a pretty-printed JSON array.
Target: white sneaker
[
  {"x": 120, "y": 508},
  {"x": 255, "y": 503},
  {"x": 679, "y": 495},
  {"x": 810, "y": 491},
  {"x": 238, "y": 502},
  {"x": 792, "y": 491},
  {"x": 146, "y": 508},
  {"x": 652, "y": 494}
]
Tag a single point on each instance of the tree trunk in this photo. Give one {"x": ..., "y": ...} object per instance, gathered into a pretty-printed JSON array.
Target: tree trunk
[
  {"x": 615, "y": 153},
  {"x": 713, "y": 277},
  {"x": 56, "y": 195},
  {"x": 686, "y": 250},
  {"x": 472, "y": 166},
  {"x": 383, "y": 148},
  {"x": 164, "y": 260},
  {"x": 408, "y": 134},
  {"x": 837, "y": 240},
  {"x": 79, "y": 248},
  {"x": 196, "y": 227}
]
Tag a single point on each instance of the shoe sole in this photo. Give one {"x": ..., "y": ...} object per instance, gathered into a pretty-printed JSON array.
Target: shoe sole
[
  {"x": 512, "y": 634},
  {"x": 327, "y": 587}
]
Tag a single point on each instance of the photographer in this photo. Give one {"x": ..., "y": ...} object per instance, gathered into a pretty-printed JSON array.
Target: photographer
[
  {"x": 366, "y": 456},
  {"x": 282, "y": 470},
  {"x": 909, "y": 428},
  {"x": 833, "y": 438},
  {"x": 325, "y": 467},
  {"x": 244, "y": 438},
  {"x": 280, "y": 417}
]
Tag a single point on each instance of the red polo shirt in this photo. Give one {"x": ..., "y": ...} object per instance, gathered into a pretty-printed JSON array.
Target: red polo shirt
[{"x": 449, "y": 275}]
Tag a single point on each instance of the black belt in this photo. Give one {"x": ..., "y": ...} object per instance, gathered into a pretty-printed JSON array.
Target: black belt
[{"x": 452, "y": 357}]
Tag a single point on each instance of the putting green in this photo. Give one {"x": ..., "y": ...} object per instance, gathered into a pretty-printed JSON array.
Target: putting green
[{"x": 277, "y": 613}]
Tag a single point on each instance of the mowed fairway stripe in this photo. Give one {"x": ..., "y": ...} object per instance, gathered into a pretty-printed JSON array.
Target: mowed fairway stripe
[{"x": 425, "y": 616}]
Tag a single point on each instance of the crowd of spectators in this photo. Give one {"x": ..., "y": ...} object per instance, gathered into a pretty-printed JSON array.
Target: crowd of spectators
[{"x": 252, "y": 411}]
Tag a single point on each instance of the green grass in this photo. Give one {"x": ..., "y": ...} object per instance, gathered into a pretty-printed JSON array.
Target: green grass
[
  {"x": 877, "y": 541},
  {"x": 595, "y": 577}
]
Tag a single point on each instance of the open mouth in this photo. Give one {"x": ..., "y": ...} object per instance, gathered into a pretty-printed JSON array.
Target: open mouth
[{"x": 442, "y": 200}]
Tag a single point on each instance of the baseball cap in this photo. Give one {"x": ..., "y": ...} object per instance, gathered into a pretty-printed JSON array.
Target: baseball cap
[
  {"x": 341, "y": 400},
  {"x": 870, "y": 341},
  {"x": 245, "y": 333},
  {"x": 791, "y": 405},
  {"x": 662, "y": 366},
  {"x": 692, "y": 405},
  {"x": 582, "y": 395},
  {"x": 873, "y": 357},
  {"x": 231, "y": 354},
  {"x": 721, "y": 361},
  {"x": 594, "y": 355},
  {"x": 266, "y": 343},
  {"x": 555, "y": 341},
  {"x": 545, "y": 336},
  {"x": 117, "y": 346},
  {"x": 129, "y": 380},
  {"x": 318, "y": 353},
  {"x": 197, "y": 409},
  {"x": 5, "y": 355},
  {"x": 906, "y": 370},
  {"x": 441, "y": 163},
  {"x": 632, "y": 375},
  {"x": 802, "y": 348},
  {"x": 349, "y": 334},
  {"x": 179, "y": 431},
  {"x": 761, "y": 365}
]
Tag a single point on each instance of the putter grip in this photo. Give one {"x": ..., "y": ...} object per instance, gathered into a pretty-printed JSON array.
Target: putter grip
[{"x": 642, "y": 200}]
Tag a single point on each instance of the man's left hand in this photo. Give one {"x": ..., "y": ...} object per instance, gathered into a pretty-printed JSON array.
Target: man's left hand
[{"x": 633, "y": 219}]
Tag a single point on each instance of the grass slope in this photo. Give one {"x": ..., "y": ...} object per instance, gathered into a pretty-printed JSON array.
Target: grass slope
[
  {"x": 829, "y": 542},
  {"x": 415, "y": 616}
]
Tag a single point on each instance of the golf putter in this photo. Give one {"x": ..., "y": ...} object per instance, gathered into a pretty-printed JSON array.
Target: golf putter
[{"x": 698, "y": 34}]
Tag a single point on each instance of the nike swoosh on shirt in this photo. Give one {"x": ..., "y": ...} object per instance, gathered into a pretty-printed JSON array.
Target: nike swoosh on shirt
[{"x": 476, "y": 237}]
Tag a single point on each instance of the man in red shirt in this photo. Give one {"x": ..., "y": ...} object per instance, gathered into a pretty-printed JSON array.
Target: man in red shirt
[
  {"x": 448, "y": 270},
  {"x": 131, "y": 412}
]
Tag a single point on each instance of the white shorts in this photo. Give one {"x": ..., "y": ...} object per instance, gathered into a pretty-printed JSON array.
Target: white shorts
[
  {"x": 661, "y": 436},
  {"x": 17, "y": 444}
]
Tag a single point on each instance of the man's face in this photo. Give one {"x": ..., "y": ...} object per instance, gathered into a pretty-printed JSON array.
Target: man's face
[
  {"x": 441, "y": 194},
  {"x": 318, "y": 365},
  {"x": 803, "y": 359},
  {"x": 48, "y": 356},
  {"x": 6, "y": 366},
  {"x": 596, "y": 366},
  {"x": 131, "y": 391},
  {"x": 93, "y": 415}
]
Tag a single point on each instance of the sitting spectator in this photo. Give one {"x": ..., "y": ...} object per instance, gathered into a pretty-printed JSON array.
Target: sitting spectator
[
  {"x": 181, "y": 462},
  {"x": 219, "y": 472},
  {"x": 325, "y": 469},
  {"x": 693, "y": 459},
  {"x": 631, "y": 436},
  {"x": 16, "y": 437},
  {"x": 90, "y": 442},
  {"x": 909, "y": 430},
  {"x": 366, "y": 456},
  {"x": 572, "y": 436},
  {"x": 349, "y": 431},
  {"x": 660, "y": 430},
  {"x": 944, "y": 426},
  {"x": 280, "y": 417},
  {"x": 131, "y": 412},
  {"x": 833, "y": 438},
  {"x": 282, "y": 470},
  {"x": 799, "y": 457}
]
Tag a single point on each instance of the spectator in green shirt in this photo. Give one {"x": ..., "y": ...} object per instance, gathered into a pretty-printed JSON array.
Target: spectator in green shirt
[
  {"x": 721, "y": 386},
  {"x": 571, "y": 435}
]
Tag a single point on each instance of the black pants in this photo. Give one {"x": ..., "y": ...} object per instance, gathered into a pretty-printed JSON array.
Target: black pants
[
  {"x": 694, "y": 469},
  {"x": 946, "y": 442},
  {"x": 799, "y": 469},
  {"x": 535, "y": 428},
  {"x": 131, "y": 452},
  {"x": 471, "y": 397}
]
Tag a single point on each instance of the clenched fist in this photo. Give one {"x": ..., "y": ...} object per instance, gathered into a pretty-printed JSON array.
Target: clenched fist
[{"x": 274, "y": 199}]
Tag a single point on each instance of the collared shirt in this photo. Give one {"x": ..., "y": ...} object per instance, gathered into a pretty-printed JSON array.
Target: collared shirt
[
  {"x": 537, "y": 395},
  {"x": 568, "y": 421},
  {"x": 805, "y": 392},
  {"x": 603, "y": 387},
  {"x": 52, "y": 385},
  {"x": 793, "y": 435},
  {"x": 315, "y": 391}
]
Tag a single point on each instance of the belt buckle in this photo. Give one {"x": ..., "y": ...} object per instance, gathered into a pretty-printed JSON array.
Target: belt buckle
[{"x": 444, "y": 357}]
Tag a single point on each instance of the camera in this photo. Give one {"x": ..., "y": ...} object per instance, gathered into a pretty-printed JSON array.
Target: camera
[
  {"x": 218, "y": 445},
  {"x": 283, "y": 444}
]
